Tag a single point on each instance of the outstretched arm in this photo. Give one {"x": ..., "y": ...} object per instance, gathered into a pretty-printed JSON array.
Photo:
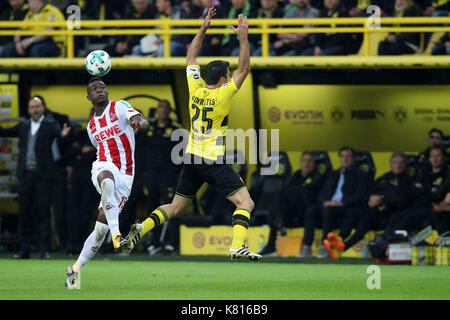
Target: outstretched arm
[
  {"x": 196, "y": 44},
  {"x": 137, "y": 122},
  {"x": 244, "y": 51}
]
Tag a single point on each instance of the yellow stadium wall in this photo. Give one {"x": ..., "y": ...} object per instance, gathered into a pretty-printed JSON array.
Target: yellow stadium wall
[
  {"x": 376, "y": 118},
  {"x": 216, "y": 240}
]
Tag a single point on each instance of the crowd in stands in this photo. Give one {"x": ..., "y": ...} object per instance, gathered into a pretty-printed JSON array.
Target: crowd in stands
[{"x": 283, "y": 44}]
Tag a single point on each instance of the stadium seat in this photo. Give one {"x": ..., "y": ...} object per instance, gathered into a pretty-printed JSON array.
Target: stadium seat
[
  {"x": 411, "y": 164},
  {"x": 364, "y": 160},
  {"x": 266, "y": 189},
  {"x": 323, "y": 162}
]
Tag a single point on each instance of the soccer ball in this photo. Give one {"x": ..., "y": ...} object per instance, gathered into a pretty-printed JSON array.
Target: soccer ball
[{"x": 98, "y": 63}]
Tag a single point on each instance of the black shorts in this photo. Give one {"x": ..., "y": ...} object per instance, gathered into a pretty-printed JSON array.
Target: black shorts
[{"x": 220, "y": 176}]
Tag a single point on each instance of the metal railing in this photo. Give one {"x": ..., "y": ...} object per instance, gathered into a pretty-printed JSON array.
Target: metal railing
[{"x": 264, "y": 27}]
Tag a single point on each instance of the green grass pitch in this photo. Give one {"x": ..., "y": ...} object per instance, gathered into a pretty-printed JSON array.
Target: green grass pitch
[{"x": 185, "y": 278}]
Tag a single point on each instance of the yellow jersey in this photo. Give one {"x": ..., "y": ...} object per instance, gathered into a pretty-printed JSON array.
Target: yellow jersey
[
  {"x": 47, "y": 13},
  {"x": 208, "y": 111}
]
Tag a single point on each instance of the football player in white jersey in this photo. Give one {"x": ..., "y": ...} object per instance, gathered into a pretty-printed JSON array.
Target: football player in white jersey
[{"x": 111, "y": 130}]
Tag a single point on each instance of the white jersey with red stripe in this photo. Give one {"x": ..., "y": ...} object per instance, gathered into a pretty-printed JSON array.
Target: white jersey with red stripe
[{"x": 113, "y": 136}]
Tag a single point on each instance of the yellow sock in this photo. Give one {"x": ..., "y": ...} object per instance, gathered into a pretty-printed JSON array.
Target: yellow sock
[
  {"x": 75, "y": 268},
  {"x": 239, "y": 221},
  {"x": 156, "y": 218}
]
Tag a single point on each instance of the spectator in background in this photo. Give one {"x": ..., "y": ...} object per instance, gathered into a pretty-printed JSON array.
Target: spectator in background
[
  {"x": 430, "y": 188},
  {"x": 83, "y": 198},
  {"x": 435, "y": 138},
  {"x": 269, "y": 9},
  {"x": 178, "y": 43},
  {"x": 299, "y": 193},
  {"x": 289, "y": 5},
  {"x": 402, "y": 43},
  {"x": 330, "y": 44},
  {"x": 16, "y": 12},
  {"x": 212, "y": 43},
  {"x": 440, "y": 216},
  {"x": 389, "y": 194},
  {"x": 230, "y": 41},
  {"x": 292, "y": 44},
  {"x": 161, "y": 174},
  {"x": 130, "y": 44},
  {"x": 38, "y": 45},
  {"x": 436, "y": 8},
  {"x": 342, "y": 196},
  {"x": 442, "y": 46},
  {"x": 34, "y": 173}
]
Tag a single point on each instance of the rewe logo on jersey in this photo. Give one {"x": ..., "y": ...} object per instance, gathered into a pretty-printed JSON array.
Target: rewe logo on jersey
[{"x": 107, "y": 133}]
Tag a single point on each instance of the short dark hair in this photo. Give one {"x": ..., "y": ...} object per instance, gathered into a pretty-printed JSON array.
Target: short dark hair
[
  {"x": 437, "y": 131},
  {"x": 167, "y": 102},
  {"x": 398, "y": 154},
  {"x": 437, "y": 147},
  {"x": 94, "y": 79},
  {"x": 347, "y": 148},
  {"x": 307, "y": 153},
  {"x": 215, "y": 70}
]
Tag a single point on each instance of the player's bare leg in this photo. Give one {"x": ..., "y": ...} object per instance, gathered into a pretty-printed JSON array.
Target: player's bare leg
[
  {"x": 240, "y": 223},
  {"x": 110, "y": 207},
  {"x": 156, "y": 218}
]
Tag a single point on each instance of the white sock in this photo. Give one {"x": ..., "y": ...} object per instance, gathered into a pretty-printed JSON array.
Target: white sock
[
  {"x": 110, "y": 205},
  {"x": 92, "y": 244}
]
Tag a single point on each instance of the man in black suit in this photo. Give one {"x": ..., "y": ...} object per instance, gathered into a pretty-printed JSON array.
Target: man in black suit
[
  {"x": 34, "y": 173},
  {"x": 342, "y": 195}
]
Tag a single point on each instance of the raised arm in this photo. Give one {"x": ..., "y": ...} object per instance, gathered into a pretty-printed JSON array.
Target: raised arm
[
  {"x": 196, "y": 44},
  {"x": 244, "y": 51}
]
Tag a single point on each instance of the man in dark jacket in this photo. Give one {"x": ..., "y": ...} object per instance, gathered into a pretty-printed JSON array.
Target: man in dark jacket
[
  {"x": 35, "y": 173},
  {"x": 389, "y": 194},
  {"x": 402, "y": 43},
  {"x": 430, "y": 188},
  {"x": 440, "y": 216},
  {"x": 343, "y": 194},
  {"x": 435, "y": 138},
  {"x": 299, "y": 193}
]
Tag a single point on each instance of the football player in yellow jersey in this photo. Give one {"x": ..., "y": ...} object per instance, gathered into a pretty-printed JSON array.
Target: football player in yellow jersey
[{"x": 209, "y": 108}]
